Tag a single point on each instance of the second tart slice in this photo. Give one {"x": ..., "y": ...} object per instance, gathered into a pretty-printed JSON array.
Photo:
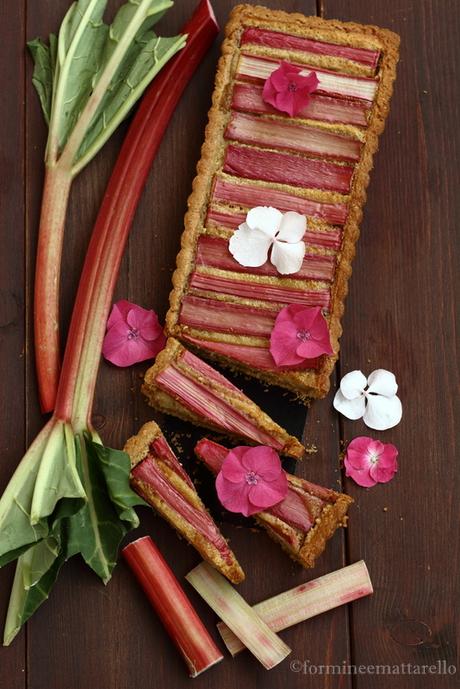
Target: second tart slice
[
  {"x": 159, "y": 478},
  {"x": 179, "y": 383}
]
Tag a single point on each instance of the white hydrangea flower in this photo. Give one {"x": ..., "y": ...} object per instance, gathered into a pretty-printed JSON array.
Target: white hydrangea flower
[
  {"x": 374, "y": 399},
  {"x": 267, "y": 228}
]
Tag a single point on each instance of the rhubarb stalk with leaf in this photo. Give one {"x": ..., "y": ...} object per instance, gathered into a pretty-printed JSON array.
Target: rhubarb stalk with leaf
[
  {"x": 70, "y": 494},
  {"x": 88, "y": 79}
]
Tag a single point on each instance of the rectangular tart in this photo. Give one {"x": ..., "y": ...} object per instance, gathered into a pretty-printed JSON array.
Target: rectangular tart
[
  {"x": 161, "y": 480},
  {"x": 303, "y": 522},
  {"x": 316, "y": 164},
  {"x": 181, "y": 384}
]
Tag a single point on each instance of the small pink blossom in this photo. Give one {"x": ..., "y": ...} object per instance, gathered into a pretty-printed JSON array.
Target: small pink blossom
[
  {"x": 300, "y": 333},
  {"x": 133, "y": 334},
  {"x": 288, "y": 90},
  {"x": 251, "y": 480},
  {"x": 369, "y": 461}
]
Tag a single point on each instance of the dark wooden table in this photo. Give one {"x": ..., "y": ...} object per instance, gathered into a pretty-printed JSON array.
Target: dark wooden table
[{"x": 400, "y": 315}]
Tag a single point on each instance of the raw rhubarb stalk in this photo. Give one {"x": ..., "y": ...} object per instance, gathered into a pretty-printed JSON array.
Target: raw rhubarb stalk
[
  {"x": 246, "y": 624},
  {"x": 212, "y": 252},
  {"x": 330, "y": 83},
  {"x": 250, "y": 129},
  {"x": 330, "y": 238},
  {"x": 172, "y": 606},
  {"x": 282, "y": 168},
  {"x": 264, "y": 291},
  {"x": 248, "y": 98},
  {"x": 67, "y": 460},
  {"x": 283, "y": 41},
  {"x": 248, "y": 354},
  {"x": 88, "y": 79},
  {"x": 228, "y": 190},
  {"x": 306, "y": 601}
]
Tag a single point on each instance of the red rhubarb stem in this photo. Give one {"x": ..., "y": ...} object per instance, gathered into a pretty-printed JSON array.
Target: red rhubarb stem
[
  {"x": 172, "y": 605},
  {"x": 108, "y": 241},
  {"x": 47, "y": 277}
]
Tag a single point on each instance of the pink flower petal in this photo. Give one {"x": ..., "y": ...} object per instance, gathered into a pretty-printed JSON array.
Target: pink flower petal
[
  {"x": 263, "y": 461},
  {"x": 232, "y": 467},
  {"x": 269, "y": 93},
  {"x": 310, "y": 349},
  {"x": 369, "y": 461},
  {"x": 362, "y": 478},
  {"x": 283, "y": 344},
  {"x": 280, "y": 77},
  {"x": 388, "y": 456},
  {"x": 119, "y": 312},
  {"x": 145, "y": 322},
  {"x": 285, "y": 102},
  {"x": 264, "y": 495},
  {"x": 125, "y": 343},
  {"x": 234, "y": 496},
  {"x": 381, "y": 474}
]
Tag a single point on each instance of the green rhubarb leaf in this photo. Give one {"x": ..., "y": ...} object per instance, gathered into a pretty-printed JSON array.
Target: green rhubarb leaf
[
  {"x": 90, "y": 80},
  {"x": 97, "y": 529}
]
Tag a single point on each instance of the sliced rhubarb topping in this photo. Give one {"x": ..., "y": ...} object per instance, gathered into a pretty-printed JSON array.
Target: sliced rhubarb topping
[
  {"x": 224, "y": 317},
  {"x": 270, "y": 166},
  {"x": 256, "y": 357},
  {"x": 330, "y": 83},
  {"x": 275, "y": 39},
  {"x": 206, "y": 403},
  {"x": 147, "y": 477},
  {"x": 249, "y": 196},
  {"x": 252, "y": 129},
  {"x": 248, "y": 98},
  {"x": 213, "y": 252},
  {"x": 199, "y": 366},
  {"x": 251, "y": 289},
  {"x": 299, "y": 509},
  {"x": 160, "y": 448},
  {"x": 331, "y": 238}
]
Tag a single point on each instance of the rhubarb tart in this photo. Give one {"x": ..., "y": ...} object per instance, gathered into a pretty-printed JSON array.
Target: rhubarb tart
[
  {"x": 274, "y": 215},
  {"x": 159, "y": 478},
  {"x": 181, "y": 384},
  {"x": 303, "y": 521}
]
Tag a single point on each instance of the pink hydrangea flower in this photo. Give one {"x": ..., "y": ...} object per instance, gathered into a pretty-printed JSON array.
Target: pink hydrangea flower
[
  {"x": 251, "y": 480},
  {"x": 133, "y": 334},
  {"x": 300, "y": 333},
  {"x": 369, "y": 461},
  {"x": 288, "y": 90}
]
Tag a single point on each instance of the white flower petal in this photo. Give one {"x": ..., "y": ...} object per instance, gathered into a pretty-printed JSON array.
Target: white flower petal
[
  {"x": 265, "y": 218},
  {"x": 382, "y": 382},
  {"x": 352, "y": 409},
  {"x": 382, "y": 412},
  {"x": 352, "y": 384},
  {"x": 249, "y": 247},
  {"x": 287, "y": 258},
  {"x": 293, "y": 227}
]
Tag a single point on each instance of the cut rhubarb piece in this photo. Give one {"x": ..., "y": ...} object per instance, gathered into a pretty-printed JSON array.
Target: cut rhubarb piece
[
  {"x": 306, "y": 601},
  {"x": 248, "y": 98},
  {"x": 330, "y": 83},
  {"x": 282, "y": 168},
  {"x": 302, "y": 523},
  {"x": 228, "y": 190},
  {"x": 181, "y": 384},
  {"x": 256, "y": 635},
  {"x": 251, "y": 357},
  {"x": 204, "y": 314},
  {"x": 250, "y": 129},
  {"x": 159, "y": 478},
  {"x": 213, "y": 252},
  {"x": 172, "y": 605},
  {"x": 280, "y": 293},
  {"x": 329, "y": 239},
  {"x": 282, "y": 41}
]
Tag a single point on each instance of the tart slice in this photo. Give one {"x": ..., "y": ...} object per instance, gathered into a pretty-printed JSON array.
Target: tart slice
[
  {"x": 182, "y": 385},
  {"x": 313, "y": 159},
  {"x": 302, "y": 522},
  {"x": 159, "y": 478}
]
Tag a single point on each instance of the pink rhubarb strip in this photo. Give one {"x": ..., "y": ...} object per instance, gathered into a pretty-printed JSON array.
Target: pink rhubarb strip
[
  {"x": 212, "y": 252},
  {"x": 248, "y": 98},
  {"x": 276, "y": 39},
  {"x": 281, "y": 168},
  {"x": 330, "y": 83},
  {"x": 252, "y": 129},
  {"x": 249, "y": 196},
  {"x": 224, "y": 317}
]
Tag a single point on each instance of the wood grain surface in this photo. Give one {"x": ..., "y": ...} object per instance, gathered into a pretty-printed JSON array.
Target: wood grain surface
[{"x": 400, "y": 315}]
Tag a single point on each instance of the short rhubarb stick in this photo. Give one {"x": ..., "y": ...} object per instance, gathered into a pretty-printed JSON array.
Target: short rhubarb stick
[
  {"x": 306, "y": 601},
  {"x": 172, "y": 605},
  {"x": 255, "y": 634}
]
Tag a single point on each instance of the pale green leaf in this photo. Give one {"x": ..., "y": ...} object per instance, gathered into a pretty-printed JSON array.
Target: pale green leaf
[{"x": 42, "y": 79}]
